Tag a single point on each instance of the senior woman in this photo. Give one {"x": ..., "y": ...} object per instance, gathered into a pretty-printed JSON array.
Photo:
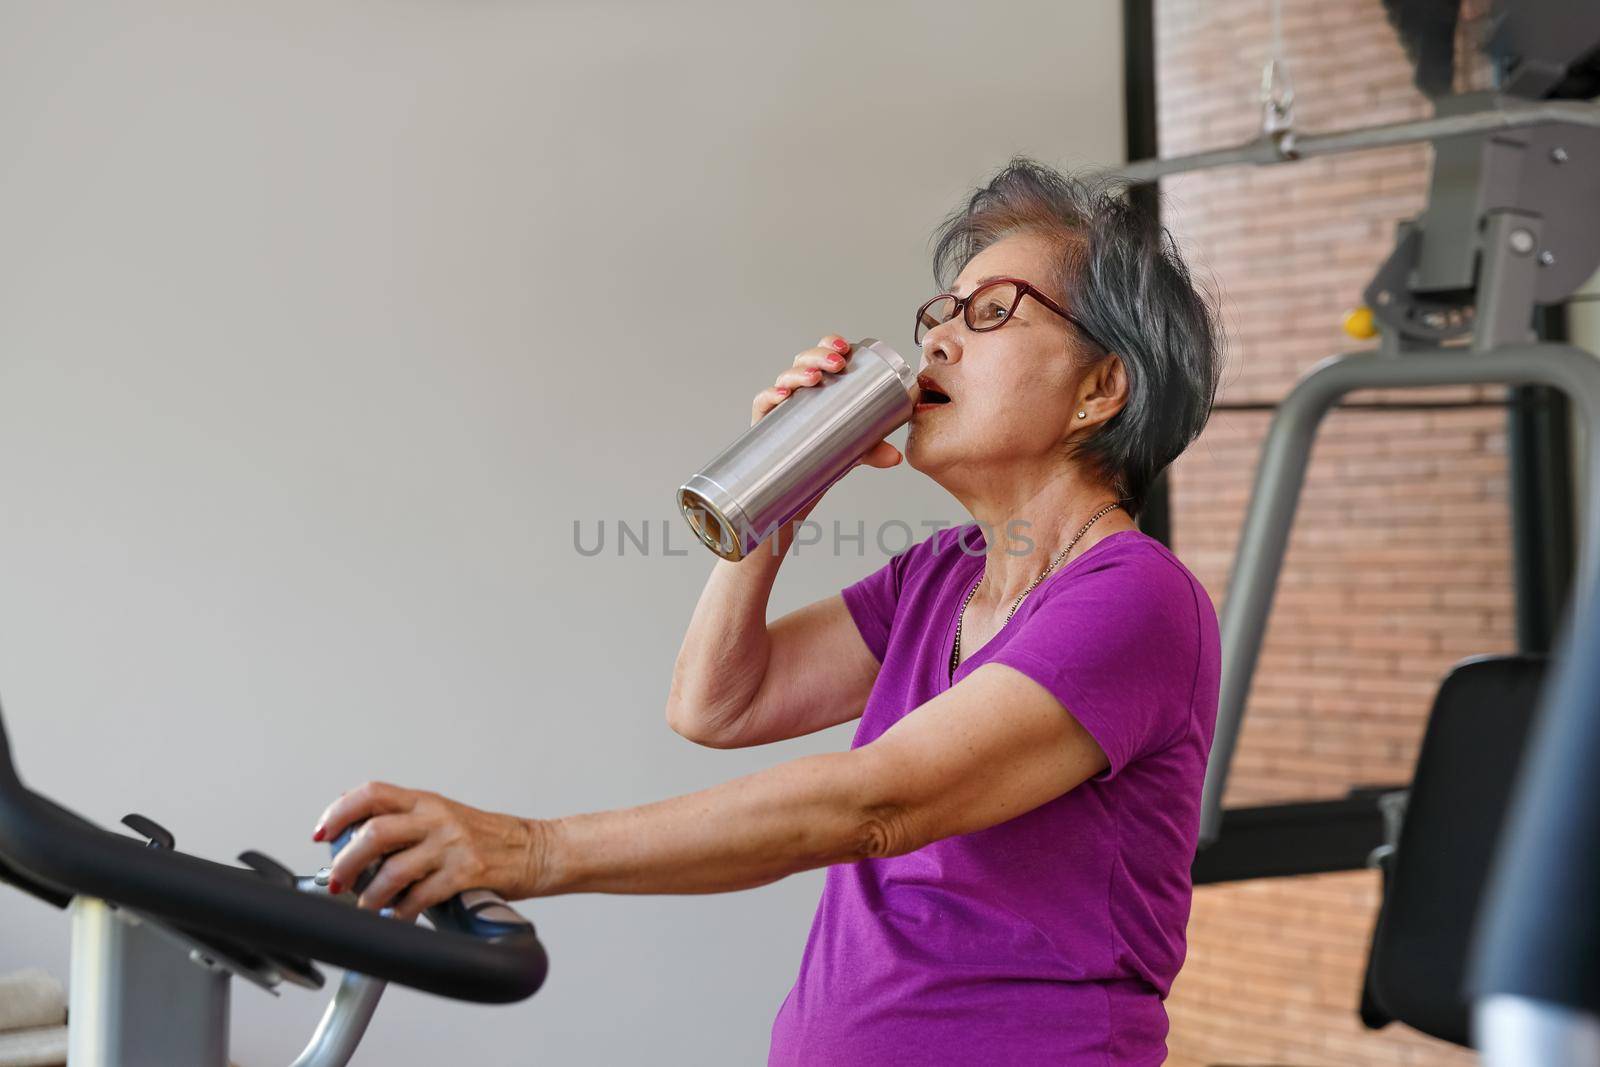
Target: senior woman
[{"x": 1008, "y": 839}]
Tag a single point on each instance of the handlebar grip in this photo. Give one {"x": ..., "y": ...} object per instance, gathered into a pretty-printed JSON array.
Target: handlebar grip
[
  {"x": 480, "y": 913},
  {"x": 337, "y": 845}
]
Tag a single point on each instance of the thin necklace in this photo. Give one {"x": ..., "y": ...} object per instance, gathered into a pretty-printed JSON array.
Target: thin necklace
[{"x": 955, "y": 653}]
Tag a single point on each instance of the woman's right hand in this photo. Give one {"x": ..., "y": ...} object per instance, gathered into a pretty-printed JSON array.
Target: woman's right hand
[{"x": 829, "y": 357}]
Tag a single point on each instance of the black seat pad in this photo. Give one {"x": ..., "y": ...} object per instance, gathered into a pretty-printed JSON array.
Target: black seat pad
[{"x": 1465, "y": 772}]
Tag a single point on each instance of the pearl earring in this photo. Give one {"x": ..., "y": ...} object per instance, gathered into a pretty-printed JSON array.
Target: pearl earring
[{"x": 1083, "y": 414}]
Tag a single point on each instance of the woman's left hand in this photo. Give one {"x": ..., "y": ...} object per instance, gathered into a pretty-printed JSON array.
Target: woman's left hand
[{"x": 432, "y": 848}]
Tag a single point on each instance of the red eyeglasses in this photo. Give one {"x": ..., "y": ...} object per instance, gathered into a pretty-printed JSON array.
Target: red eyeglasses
[{"x": 989, "y": 307}]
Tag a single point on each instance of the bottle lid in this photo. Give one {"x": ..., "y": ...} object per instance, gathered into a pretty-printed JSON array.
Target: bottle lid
[{"x": 903, "y": 370}]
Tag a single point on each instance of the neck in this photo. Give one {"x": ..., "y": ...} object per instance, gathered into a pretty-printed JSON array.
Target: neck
[{"x": 1026, "y": 528}]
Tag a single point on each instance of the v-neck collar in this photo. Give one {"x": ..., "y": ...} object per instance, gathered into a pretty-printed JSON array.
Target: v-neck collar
[{"x": 974, "y": 574}]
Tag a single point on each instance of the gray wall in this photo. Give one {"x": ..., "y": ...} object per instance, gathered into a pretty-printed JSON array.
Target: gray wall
[{"x": 321, "y": 325}]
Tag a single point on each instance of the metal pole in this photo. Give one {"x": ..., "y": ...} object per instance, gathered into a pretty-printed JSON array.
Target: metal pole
[
  {"x": 1539, "y": 469},
  {"x": 1139, "y": 104},
  {"x": 1363, "y": 138},
  {"x": 139, "y": 998},
  {"x": 344, "y": 1023}
]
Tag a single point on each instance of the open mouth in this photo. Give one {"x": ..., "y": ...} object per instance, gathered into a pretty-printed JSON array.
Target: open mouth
[{"x": 929, "y": 394}]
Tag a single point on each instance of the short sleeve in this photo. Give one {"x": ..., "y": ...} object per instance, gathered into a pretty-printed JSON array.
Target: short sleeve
[
  {"x": 873, "y": 599},
  {"x": 1118, "y": 643}
]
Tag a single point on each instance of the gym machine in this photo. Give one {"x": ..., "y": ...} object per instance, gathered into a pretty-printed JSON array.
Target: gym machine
[
  {"x": 1512, "y": 223},
  {"x": 158, "y": 936}
]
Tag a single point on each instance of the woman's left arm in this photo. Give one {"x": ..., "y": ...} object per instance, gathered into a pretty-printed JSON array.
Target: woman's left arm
[{"x": 992, "y": 747}]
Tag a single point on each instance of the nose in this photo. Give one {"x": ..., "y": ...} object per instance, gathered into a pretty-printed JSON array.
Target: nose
[{"x": 942, "y": 343}]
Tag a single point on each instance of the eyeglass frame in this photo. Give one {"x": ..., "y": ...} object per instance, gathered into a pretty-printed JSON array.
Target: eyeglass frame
[{"x": 963, "y": 303}]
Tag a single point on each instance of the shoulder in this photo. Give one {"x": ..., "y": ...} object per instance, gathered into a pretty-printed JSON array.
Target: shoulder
[
  {"x": 1141, "y": 576},
  {"x": 1134, "y": 553}
]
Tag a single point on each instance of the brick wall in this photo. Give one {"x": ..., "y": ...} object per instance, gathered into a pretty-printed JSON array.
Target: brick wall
[{"x": 1399, "y": 561}]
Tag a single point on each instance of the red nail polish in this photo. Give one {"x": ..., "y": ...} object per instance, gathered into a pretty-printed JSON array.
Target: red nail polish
[
  {"x": 843, "y": 346},
  {"x": 316, "y": 835},
  {"x": 334, "y": 887}
]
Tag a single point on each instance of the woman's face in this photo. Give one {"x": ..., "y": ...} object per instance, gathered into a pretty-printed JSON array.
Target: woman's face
[{"x": 1014, "y": 391}]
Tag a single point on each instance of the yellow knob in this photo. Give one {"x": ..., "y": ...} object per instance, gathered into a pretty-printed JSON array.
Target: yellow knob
[{"x": 1360, "y": 324}]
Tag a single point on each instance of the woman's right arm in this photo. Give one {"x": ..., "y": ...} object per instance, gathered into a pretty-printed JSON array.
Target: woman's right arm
[{"x": 738, "y": 681}]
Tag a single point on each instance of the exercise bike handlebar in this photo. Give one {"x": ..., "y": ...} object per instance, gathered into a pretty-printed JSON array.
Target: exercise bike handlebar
[{"x": 53, "y": 852}]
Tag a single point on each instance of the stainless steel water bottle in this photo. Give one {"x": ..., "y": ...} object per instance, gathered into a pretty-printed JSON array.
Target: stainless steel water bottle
[{"x": 797, "y": 450}]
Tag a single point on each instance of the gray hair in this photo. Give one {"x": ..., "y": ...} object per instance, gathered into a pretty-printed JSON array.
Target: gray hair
[{"x": 1124, "y": 277}]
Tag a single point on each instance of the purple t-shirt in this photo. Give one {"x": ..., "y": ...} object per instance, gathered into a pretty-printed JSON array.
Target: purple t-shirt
[{"x": 1052, "y": 937}]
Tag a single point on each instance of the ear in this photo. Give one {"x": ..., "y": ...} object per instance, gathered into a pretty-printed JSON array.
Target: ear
[{"x": 1105, "y": 388}]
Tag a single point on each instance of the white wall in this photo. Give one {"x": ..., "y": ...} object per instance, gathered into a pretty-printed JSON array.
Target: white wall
[{"x": 321, "y": 324}]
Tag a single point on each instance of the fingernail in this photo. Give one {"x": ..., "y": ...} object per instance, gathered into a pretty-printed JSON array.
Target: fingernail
[
  {"x": 316, "y": 835},
  {"x": 783, "y": 391},
  {"x": 335, "y": 886},
  {"x": 834, "y": 361},
  {"x": 841, "y": 345}
]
